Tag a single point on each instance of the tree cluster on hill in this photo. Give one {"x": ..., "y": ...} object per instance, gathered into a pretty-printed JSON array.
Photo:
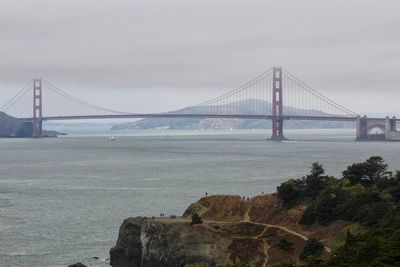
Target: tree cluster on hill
[{"x": 367, "y": 195}]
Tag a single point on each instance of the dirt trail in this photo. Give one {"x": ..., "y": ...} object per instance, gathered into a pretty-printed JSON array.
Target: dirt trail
[
  {"x": 266, "y": 247},
  {"x": 247, "y": 220},
  {"x": 267, "y": 225},
  {"x": 246, "y": 217},
  {"x": 182, "y": 219}
]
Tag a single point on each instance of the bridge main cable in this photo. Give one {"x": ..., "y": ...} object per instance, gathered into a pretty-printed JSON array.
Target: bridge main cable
[
  {"x": 17, "y": 97},
  {"x": 237, "y": 90},
  {"x": 319, "y": 95},
  {"x": 79, "y": 101}
]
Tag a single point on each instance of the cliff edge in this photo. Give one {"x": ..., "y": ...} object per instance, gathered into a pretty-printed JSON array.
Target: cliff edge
[{"x": 257, "y": 231}]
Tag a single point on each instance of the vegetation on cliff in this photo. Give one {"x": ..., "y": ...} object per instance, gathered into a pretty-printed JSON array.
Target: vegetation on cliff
[
  {"x": 196, "y": 219},
  {"x": 367, "y": 195}
]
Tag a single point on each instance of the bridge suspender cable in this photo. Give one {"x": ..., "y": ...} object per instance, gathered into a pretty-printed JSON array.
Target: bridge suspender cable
[
  {"x": 319, "y": 95},
  {"x": 17, "y": 97},
  {"x": 237, "y": 90},
  {"x": 79, "y": 101},
  {"x": 299, "y": 98}
]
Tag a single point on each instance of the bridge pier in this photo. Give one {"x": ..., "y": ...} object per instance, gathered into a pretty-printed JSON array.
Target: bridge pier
[
  {"x": 388, "y": 126},
  {"x": 277, "y": 129},
  {"x": 362, "y": 128},
  {"x": 37, "y": 122},
  {"x": 277, "y": 105},
  {"x": 391, "y": 132}
]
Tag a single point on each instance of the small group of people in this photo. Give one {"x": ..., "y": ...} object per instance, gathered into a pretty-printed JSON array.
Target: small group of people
[
  {"x": 244, "y": 198},
  {"x": 162, "y": 215}
]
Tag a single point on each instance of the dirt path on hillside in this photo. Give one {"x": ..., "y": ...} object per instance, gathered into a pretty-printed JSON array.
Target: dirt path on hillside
[
  {"x": 247, "y": 220},
  {"x": 181, "y": 219},
  {"x": 246, "y": 217}
]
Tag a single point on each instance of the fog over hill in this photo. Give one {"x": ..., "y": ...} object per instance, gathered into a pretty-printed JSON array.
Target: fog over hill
[{"x": 248, "y": 107}]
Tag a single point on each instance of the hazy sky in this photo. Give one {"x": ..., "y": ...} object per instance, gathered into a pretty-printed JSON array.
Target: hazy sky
[{"x": 148, "y": 55}]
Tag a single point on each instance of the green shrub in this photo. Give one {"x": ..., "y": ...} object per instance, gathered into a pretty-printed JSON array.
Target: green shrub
[
  {"x": 368, "y": 172},
  {"x": 367, "y": 195},
  {"x": 315, "y": 182},
  {"x": 290, "y": 192},
  {"x": 286, "y": 264},
  {"x": 196, "y": 219},
  {"x": 313, "y": 248},
  {"x": 285, "y": 245},
  {"x": 309, "y": 216}
]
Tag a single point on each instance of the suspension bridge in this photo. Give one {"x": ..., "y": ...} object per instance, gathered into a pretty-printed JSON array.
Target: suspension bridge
[{"x": 275, "y": 95}]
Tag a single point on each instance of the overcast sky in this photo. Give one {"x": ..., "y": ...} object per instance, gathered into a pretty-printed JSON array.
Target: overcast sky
[{"x": 144, "y": 56}]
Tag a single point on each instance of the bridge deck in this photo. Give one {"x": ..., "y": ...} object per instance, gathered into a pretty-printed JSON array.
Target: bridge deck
[{"x": 202, "y": 116}]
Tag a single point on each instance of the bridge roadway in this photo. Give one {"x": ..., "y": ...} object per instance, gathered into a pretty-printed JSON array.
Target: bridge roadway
[{"x": 200, "y": 116}]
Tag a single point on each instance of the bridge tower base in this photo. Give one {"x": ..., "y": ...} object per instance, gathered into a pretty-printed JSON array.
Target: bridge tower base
[
  {"x": 391, "y": 133},
  {"x": 387, "y": 126},
  {"x": 37, "y": 122},
  {"x": 362, "y": 128},
  {"x": 277, "y": 105}
]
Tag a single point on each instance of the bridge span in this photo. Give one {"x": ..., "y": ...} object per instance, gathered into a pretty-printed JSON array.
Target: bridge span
[
  {"x": 199, "y": 116},
  {"x": 364, "y": 125},
  {"x": 262, "y": 98}
]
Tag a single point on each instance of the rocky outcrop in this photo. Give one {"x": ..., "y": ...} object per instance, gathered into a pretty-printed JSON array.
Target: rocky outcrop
[
  {"x": 13, "y": 127},
  {"x": 79, "y": 264},
  {"x": 257, "y": 232},
  {"x": 220, "y": 208}
]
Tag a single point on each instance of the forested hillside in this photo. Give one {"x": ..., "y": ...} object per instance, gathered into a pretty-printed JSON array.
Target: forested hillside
[{"x": 368, "y": 196}]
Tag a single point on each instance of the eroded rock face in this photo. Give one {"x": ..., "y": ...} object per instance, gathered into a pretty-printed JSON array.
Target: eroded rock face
[
  {"x": 234, "y": 230},
  {"x": 165, "y": 243},
  {"x": 79, "y": 264},
  {"x": 128, "y": 251}
]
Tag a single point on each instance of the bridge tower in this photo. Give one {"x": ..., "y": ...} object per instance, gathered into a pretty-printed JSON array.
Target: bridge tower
[
  {"x": 391, "y": 132},
  {"x": 362, "y": 128},
  {"x": 277, "y": 105},
  {"x": 37, "y": 130}
]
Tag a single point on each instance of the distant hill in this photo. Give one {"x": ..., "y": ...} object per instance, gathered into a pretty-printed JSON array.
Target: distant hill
[
  {"x": 13, "y": 127},
  {"x": 249, "y": 106}
]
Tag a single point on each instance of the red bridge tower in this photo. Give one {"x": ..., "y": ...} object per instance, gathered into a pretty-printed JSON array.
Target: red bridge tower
[
  {"x": 37, "y": 130},
  {"x": 277, "y": 105}
]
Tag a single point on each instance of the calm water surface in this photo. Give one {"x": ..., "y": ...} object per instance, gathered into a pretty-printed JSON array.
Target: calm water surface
[{"x": 62, "y": 200}]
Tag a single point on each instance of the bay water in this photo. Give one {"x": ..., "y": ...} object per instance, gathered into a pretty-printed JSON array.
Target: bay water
[{"x": 62, "y": 200}]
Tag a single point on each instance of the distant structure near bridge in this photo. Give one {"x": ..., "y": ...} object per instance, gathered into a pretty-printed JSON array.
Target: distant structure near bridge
[
  {"x": 284, "y": 97},
  {"x": 371, "y": 129}
]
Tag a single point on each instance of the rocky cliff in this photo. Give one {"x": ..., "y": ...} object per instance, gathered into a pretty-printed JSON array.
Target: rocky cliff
[
  {"x": 13, "y": 127},
  {"x": 256, "y": 231}
]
